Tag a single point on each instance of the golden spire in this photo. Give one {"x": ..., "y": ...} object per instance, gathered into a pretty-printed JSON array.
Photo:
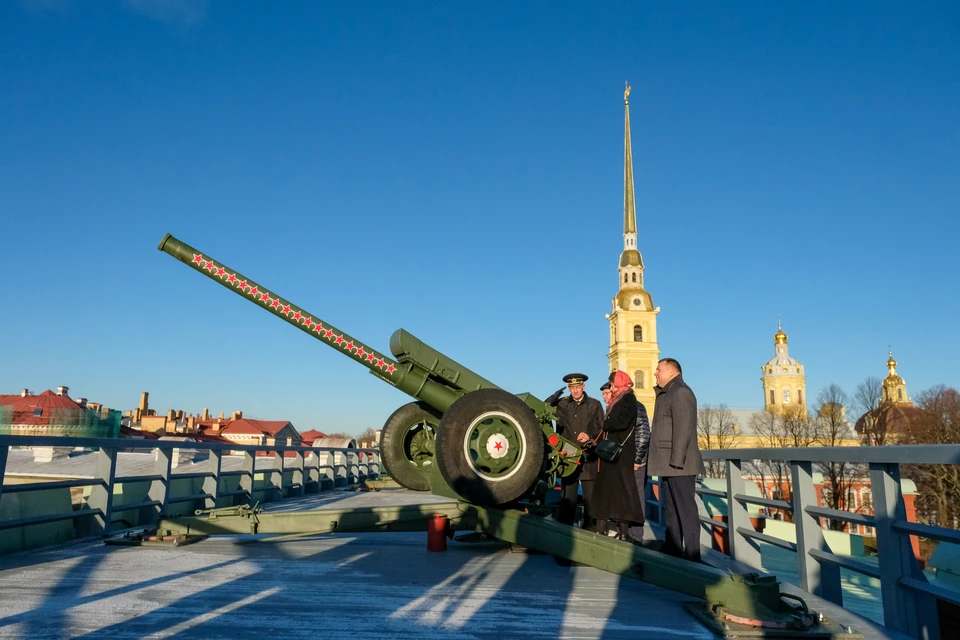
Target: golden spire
[
  {"x": 629, "y": 208},
  {"x": 779, "y": 337},
  {"x": 892, "y": 365}
]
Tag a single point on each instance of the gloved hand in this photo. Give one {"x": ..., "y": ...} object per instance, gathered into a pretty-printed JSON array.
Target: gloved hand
[{"x": 554, "y": 399}]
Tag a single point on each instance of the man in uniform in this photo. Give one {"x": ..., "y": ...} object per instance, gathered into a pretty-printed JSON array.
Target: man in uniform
[
  {"x": 675, "y": 457},
  {"x": 578, "y": 414}
]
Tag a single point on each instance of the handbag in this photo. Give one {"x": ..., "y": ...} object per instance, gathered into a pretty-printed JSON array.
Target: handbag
[{"x": 610, "y": 450}]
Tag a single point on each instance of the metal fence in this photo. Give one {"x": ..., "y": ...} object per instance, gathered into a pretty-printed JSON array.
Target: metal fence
[
  {"x": 910, "y": 600},
  {"x": 95, "y": 515}
]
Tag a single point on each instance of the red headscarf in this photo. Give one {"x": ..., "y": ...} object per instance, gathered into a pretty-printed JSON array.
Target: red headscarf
[{"x": 623, "y": 384}]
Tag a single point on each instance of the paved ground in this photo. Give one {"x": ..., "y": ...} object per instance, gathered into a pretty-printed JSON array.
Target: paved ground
[{"x": 331, "y": 586}]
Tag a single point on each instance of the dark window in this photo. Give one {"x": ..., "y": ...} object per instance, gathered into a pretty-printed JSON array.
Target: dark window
[
  {"x": 633, "y": 277},
  {"x": 637, "y": 333},
  {"x": 626, "y": 277},
  {"x": 38, "y": 412},
  {"x": 799, "y": 396},
  {"x": 899, "y": 394},
  {"x": 771, "y": 396},
  {"x": 638, "y": 380}
]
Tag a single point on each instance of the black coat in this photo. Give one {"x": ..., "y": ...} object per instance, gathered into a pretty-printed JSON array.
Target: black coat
[
  {"x": 615, "y": 495},
  {"x": 575, "y": 417},
  {"x": 673, "y": 434}
]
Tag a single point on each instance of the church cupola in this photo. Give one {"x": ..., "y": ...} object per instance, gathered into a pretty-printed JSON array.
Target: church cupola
[
  {"x": 784, "y": 383},
  {"x": 894, "y": 389}
]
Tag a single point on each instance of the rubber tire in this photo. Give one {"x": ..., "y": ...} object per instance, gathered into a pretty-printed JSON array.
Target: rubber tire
[
  {"x": 392, "y": 445},
  {"x": 451, "y": 460}
]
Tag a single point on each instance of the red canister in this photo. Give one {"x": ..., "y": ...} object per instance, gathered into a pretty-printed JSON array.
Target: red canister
[{"x": 437, "y": 532}]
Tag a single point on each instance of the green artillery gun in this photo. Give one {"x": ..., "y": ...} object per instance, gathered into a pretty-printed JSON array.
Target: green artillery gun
[{"x": 463, "y": 433}]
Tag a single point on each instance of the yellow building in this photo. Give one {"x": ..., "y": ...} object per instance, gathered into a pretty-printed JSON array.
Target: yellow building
[
  {"x": 784, "y": 385},
  {"x": 633, "y": 322}
]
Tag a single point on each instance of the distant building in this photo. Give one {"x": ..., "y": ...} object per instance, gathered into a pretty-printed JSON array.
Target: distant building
[
  {"x": 784, "y": 383},
  {"x": 56, "y": 414},
  {"x": 309, "y": 437},
  {"x": 892, "y": 419}
]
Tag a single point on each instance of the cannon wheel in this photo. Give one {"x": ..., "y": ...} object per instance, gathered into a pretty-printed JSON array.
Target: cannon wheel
[
  {"x": 407, "y": 444},
  {"x": 489, "y": 447}
]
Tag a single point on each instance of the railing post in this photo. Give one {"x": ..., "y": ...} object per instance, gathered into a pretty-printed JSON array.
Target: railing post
[
  {"x": 3, "y": 465},
  {"x": 249, "y": 473},
  {"x": 742, "y": 548},
  {"x": 101, "y": 495},
  {"x": 211, "y": 483},
  {"x": 819, "y": 579},
  {"x": 160, "y": 489},
  {"x": 276, "y": 478},
  {"x": 315, "y": 472},
  {"x": 298, "y": 484},
  {"x": 913, "y": 613}
]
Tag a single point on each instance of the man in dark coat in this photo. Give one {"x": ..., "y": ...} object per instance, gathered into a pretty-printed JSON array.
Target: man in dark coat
[
  {"x": 578, "y": 414},
  {"x": 675, "y": 457}
]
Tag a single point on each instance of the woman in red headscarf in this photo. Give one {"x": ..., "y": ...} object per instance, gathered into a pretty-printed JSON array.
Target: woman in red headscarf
[{"x": 615, "y": 495}]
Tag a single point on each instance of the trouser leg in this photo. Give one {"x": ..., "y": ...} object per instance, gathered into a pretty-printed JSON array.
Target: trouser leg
[
  {"x": 684, "y": 490},
  {"x": 586, "y": 487},
  {"x": 640, "y": 475},
  {"x": 568, "y": 503},
  {"x": 673, "y": 536}
]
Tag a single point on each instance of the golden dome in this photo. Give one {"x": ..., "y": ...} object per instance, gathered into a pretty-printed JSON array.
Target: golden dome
[
  {"x": 631, "y": 258},
  {"x": 891, "y": 363},
  {"x": 780, "y": 337},
  {"x": 637, "y": 298}
]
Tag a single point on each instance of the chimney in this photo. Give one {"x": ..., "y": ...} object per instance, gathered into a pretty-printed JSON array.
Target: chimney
[
  {"x": 221, "y": 416},
  {"x": 236, "y": 415},
  {"x": 171, "y": 416},
  {"x": 24, "y": 393},
  {"x": 190, "y": 422},
  {"x": 62, "y": 391},
  {"x": 82, "y": 402},
  {"x": 216, "y": 427},
  {"x": 144, "y": 404},
  {"x": 206, "y": 415}
]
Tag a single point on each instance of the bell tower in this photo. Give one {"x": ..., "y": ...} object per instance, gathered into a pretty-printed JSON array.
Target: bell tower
[{"x": 633, "y": 321}]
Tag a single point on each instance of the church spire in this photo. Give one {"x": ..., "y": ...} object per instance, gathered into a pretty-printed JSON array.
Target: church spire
[{"x": 629, "y": 206}]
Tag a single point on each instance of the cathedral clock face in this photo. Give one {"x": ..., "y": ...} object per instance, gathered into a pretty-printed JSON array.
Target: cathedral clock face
[{"x": 636, "y": 302}]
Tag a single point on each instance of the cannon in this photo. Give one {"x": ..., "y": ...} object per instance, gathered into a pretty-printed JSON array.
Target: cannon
[{"x": 462, "y": 433}]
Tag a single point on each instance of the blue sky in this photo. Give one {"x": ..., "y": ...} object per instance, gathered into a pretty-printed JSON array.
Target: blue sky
[{"x": 456, "y": 169}]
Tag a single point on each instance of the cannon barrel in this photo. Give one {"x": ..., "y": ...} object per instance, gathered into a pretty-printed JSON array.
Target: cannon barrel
[{"x": 416, "y": 369}]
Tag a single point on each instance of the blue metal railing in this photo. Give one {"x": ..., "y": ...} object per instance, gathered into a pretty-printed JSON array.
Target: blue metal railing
[
  {"x": 910, "y": 600},
  {"x": 95, "y": 516}
]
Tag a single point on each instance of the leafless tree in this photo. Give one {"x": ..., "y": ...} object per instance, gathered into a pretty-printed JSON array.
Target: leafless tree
[
  {"x": 368, "y": 438},
  {"x": 833, "y": 429},
  {"x": 864, "y": 403},
  {"x": 716, "y": 428},
  {"x": 789, "y": 427},
  {"x": 938, "y": 485}
]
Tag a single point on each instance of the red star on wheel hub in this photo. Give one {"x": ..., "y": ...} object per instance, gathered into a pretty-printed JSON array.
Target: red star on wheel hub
[{"x": 498, "y": 445}]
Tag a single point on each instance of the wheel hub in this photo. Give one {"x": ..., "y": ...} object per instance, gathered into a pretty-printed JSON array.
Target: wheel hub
[{"x": 494, "y": 446}]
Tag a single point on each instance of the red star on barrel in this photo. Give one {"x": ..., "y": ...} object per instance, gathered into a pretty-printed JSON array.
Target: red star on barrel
[
  {"x": 318, "y": 328},
  {"x": 286, "y": 309},
  {"x": 264, "y": 296},
  {"x": 349, "y": 346},
  {"x": 242, "y": 285},
  {"x": 339, "y": 340},
  {"x": 232, "y": 278},
  {"x": 297, "y": 316},
  {"x": 370, "y": 357},
  {"x": 197, "y": 258},
  {"x": 209, "y": 266},
  {"x": 328, "y": 334},
  {"x": 391, "y": 368},
  {"x": 220, "y": 271},
  {"x": 498, "y": 445},
  {"x": 254, "y": 291},
  {"x": 275, "y": 303},
  {"x": 360, "y": 351},
  {"x": 380, "y": 363},
  {"x": 308, "y": 323}
]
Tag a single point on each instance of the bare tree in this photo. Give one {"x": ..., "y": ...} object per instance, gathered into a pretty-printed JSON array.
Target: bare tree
[
  {"x": 938, "y": 485},
  {"x": 864, "y": 403},
  {"x": 716, "y": 428},
  {"x": 789, "y": 427},
  {"x": 368, "y": 438},
  {"x": 833, "y": 430}
]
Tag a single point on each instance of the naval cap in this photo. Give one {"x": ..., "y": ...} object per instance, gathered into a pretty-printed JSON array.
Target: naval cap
[{"x": 575, "y": 378}]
